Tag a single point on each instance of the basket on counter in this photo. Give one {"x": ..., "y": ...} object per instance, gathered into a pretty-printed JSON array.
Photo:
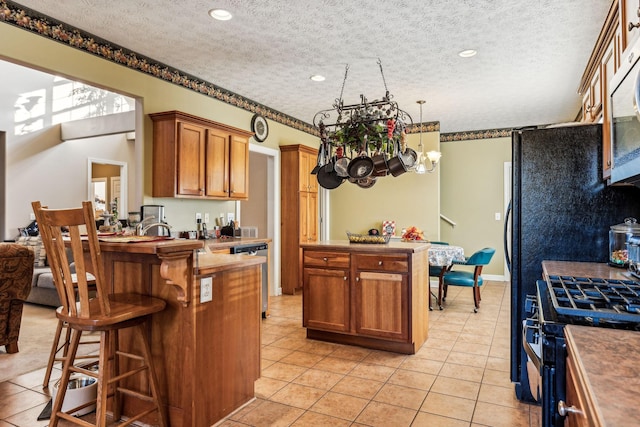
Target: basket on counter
[{"x": 365, "y": 238}]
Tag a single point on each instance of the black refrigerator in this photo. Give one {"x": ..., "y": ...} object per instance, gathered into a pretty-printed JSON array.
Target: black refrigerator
[{"x": 561, "y": 209}]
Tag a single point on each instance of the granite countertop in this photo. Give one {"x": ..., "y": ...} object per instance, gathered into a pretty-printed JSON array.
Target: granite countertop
[
  {"x": 609, "y": 366},
  {"x": 584, "y": 269},
  {"x": 392, "y": 246}
]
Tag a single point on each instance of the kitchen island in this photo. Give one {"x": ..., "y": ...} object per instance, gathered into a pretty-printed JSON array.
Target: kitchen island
[
  {"x": 206, "y": 343},
  {"x": 371, "y": 295}
]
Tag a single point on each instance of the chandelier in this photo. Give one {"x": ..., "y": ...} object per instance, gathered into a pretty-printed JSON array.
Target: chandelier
[{"x": 365, "y": 141}]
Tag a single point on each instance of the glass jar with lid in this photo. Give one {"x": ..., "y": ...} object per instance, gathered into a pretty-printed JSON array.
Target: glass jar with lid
[{"x": 619, "y": 235}]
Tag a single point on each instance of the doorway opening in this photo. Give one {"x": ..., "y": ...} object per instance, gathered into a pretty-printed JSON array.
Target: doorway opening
[
  {"x": 107, "y": 186},
  {"x": 262, "y": 210}
]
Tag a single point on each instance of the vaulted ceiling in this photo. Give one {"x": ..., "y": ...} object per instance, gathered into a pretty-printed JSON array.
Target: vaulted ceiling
[{"x": 531, "y": 54}]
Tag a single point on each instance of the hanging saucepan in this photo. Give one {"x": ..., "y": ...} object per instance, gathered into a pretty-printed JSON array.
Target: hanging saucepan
[
  {"x": 407, "y": 155},
  {"x": 342, "y": 162},
  {"x": 396, "y": 166},
  {"x": 361, "y": 166},
  {"x": 327, "y": 176},
  {"x": 379, "y": 159},
  {"x": 366, "y": 182}
]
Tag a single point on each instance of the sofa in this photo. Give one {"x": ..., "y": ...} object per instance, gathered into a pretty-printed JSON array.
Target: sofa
[
  {"x": 43, "y": 291},
  {"x": 16, "y": 267}
]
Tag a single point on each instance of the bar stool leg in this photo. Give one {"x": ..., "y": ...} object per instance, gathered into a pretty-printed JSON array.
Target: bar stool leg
[
  {"x": 52, "y": 355},
  {"x": 153, "y": 378},
  {"x": 64, "y": 380},
  {"x": 103, "y": 377},
  {"x": 115, "y": 371}
]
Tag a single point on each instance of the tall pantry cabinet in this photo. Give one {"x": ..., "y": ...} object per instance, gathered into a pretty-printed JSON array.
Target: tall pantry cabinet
[{"x": 299, "y": 211}]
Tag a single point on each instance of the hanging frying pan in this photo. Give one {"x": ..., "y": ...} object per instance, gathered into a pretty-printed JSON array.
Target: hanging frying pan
[{"x": 328, "y": 178}]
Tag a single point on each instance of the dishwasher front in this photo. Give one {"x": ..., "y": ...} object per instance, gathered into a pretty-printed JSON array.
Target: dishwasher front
[{"x": 259, "y": 249}]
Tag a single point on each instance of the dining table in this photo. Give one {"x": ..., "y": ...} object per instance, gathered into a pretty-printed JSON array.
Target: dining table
[{"x": 443, "y": 255}]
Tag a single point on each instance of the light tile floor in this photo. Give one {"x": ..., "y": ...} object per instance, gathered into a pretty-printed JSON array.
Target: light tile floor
[{"x": 460, "y": 376}]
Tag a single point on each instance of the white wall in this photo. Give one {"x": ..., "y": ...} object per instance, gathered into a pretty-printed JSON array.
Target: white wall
[{"x": 39, "y": 165}]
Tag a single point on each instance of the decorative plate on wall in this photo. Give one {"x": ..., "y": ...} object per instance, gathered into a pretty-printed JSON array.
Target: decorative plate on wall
[{"x": 260, "y": 127}]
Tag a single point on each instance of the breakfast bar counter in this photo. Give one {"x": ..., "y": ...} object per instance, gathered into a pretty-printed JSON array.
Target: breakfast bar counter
[
  {"x": 371, "y": 295},
  {"x": 206, "y": 343}
]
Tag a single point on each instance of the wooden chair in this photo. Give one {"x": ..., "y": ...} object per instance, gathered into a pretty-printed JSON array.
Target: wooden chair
[
  {"x": 436, "y": 271},
  {"x": 472, "y": 279},
  {"x": 106, "y": 313}
]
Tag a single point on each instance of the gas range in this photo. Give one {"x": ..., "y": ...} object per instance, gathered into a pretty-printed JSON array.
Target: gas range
[{"x": 562, "y": 300}]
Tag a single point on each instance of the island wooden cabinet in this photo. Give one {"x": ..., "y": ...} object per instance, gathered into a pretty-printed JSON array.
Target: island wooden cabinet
[
  {"x": 299, "y": 211},
  {"x": 326, "y": 294},
  {"x": 381, "y": 289},
  {"x": 199, "y": 158},
  {"x": 376, "y": 296}
]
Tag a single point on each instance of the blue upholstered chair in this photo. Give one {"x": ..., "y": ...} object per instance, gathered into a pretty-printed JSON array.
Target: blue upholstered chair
[{"x": 472, "y": 279}]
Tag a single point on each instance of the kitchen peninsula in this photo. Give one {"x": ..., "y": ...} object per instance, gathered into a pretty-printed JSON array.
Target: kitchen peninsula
[
  {"x": 371, "y": 295},
  {"x": 206, "y": 345}
]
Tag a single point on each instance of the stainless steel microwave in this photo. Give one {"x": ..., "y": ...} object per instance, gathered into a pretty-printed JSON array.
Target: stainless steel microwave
[{"x": 625, "y": 118}]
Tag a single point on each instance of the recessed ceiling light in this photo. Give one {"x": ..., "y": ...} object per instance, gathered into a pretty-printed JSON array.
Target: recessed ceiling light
[
  {"x": 220, "y": 14},
  {"x": 317, "y": 78},
  {"x": 468, "y": 53}
]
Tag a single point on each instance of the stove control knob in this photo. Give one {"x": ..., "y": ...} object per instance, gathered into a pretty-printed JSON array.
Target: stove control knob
[{"x": 565, "y": 410}]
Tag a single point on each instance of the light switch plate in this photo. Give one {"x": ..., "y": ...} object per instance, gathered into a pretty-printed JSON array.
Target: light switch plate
[
  {"x": 206, "y": 289},
  {"x": 206, "y": 218}
]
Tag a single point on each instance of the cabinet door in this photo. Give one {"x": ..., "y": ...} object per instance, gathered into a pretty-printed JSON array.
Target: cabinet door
[
  {"x": 308, "y": 217},
  {"x": 217, "y": 163},
  {"x": 190, "y": 152},
  {"x": 239, "y": 167},
  {"x": 307, "y": 181},
  {"x": 629, "y": 12},
  {"x": 608, "y": 68},
  {"x": 312, "y": 217},
  {"x": 382, "y": 305},
  {"x": 326, "y": 299}
]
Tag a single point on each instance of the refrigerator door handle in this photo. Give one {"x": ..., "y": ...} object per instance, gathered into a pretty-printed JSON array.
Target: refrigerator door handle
[{"x": 507, "y": 255}]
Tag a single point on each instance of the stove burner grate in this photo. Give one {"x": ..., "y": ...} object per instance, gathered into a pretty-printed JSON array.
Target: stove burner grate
[{"x": 596, "y": 301}]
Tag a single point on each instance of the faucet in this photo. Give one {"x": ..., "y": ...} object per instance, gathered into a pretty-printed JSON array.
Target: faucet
[{"x": 142, "y": 229}]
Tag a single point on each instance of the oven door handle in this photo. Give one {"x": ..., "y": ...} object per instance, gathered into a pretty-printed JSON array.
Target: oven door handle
[{"x": 527, "y": 348}]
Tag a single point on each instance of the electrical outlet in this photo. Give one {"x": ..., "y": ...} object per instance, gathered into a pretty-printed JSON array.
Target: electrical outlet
[
  {"x": 198, "y": 216},
  {"x": 206, "y": 289},
  {"x": 32, "y": 216},
  {"x": 230, "y": 217},
  {"x": 497, "y": 216},
  {"x": 206, "y": 218}
]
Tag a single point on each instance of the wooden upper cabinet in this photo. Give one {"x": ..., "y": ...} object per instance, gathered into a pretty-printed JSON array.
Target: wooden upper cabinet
[
  {"x": 217, "y": 163},
  {"x": 308, "y": 182},
  {"x": 199, "y": 158},
  {"x": 239, "y": 167},
  {"x": 603, "y": 64},
  {"x": 190, "y": 159}
]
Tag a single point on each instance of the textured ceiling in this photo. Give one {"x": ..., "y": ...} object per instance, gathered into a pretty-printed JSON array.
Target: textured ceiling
[{"x": 531, "y": 53}]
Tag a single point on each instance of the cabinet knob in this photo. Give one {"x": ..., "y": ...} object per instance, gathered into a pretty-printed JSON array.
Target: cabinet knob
[
  {"x": 565, "y": 410},
  {"x": 345, "y": 277},
  {"x": 357, "y": 279},
  {"x": 325, "y": 259},
  {"x": 379, "y": 262}
]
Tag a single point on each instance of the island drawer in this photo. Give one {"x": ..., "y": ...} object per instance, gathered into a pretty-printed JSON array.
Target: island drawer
[
  {"x": 377, "y": 262},
  {"x": 326, "y": 259}
]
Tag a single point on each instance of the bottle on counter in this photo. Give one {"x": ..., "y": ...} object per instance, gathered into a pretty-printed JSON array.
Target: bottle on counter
[{"x": 198, "y": 228}]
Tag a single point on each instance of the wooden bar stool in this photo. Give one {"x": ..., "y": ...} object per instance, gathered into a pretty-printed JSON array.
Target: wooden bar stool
[{"x": 106, "y": 313}]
